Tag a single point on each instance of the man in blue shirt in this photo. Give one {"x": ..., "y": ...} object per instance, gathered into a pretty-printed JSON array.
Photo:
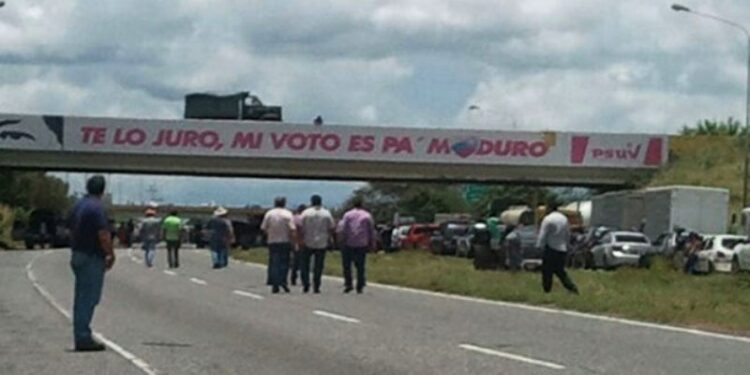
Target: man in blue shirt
[{"x": 92, "y": 255}]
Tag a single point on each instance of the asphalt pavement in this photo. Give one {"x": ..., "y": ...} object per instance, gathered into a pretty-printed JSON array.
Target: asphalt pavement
[{"x": 197, "y": 320}]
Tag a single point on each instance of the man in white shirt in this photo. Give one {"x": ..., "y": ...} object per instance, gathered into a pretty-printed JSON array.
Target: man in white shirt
[
  {"x": 278, "y": 224},
  {"x": 554, "y": 235},
  {"x": 316, "y": 233}
]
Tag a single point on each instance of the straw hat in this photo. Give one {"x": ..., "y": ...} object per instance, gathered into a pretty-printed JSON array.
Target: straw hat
[
  {"x": 150, "y": 211},
  {"x": 220, "y": 211}
]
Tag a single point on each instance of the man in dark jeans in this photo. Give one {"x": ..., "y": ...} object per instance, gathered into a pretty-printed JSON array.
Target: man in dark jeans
[
  {"x": 357, "y": 237},
  {"x": 92, "y": 255},
  {"x": 315, "y": 227},
  {"x": 554, "y": 238},
  {"x": 278, "y": 224}
]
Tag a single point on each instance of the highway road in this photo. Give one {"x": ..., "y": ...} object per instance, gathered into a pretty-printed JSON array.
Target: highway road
[{"x": 197, "y": 320}]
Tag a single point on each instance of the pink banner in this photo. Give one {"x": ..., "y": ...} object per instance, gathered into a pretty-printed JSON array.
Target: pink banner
[{"x": 331, "y": 142}]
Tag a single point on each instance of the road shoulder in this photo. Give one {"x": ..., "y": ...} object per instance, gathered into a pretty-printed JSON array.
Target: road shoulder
[{"x": 34, "y": 337}]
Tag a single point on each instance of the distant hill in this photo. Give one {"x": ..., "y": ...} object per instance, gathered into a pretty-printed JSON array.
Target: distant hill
[{"x": 705, "y": 160}]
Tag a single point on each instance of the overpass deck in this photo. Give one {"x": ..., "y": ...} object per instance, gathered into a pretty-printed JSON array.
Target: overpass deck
[{"x": 281, "y": 150}]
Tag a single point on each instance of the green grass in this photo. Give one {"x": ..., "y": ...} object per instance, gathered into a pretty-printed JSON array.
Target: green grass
[
  {"x": 713, "y": 161},
  {"x": 660, "y": 294}
]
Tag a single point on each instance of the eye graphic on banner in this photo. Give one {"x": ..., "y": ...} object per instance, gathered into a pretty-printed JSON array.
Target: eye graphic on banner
[
  {"x": 14, "y": 135},
  {"x": 32, "y": 132}
]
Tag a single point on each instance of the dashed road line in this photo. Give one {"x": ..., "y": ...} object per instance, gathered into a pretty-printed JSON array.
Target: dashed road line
[
  {"x": 198, "y": 281},
  {"x": 130, "y": 357},
  {"x": 336, "y": 316},
  {"x": 170, "y": 273},
  {"x": 548, "y": 310},
  {"x": 511, "y": 356},
  {"x": 248, "y": 294}
]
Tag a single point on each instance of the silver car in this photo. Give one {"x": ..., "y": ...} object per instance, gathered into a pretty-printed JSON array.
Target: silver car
[{"x": 617, "y": 249}]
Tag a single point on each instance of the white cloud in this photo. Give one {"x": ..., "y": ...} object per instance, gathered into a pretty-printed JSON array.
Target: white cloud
[{"x": 541, "y": 64}]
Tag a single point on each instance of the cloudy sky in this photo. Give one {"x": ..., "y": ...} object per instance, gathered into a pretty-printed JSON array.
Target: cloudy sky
[{"x": 600, "y": 65}]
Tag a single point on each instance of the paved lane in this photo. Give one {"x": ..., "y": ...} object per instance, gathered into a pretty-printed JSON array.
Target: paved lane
[
  {"x": 198, "y": 321},
  {"x": 36, "y": 339}
]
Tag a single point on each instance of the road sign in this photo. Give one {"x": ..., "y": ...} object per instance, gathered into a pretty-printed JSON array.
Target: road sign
[{"x": 475, "y": 193}]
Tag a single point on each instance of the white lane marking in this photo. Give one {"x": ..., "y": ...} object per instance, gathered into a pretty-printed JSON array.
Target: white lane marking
[
  {"x": 335, "y": 316},
  {"x": 141, "y": 364},
  {"x": 133, "y": 257},
  {"x": 170, "y": 273},
  {"x": 511, "y": 356},
  {"x": 130, "y": 357},
  {"x": 248, "y": 294},
  {"x": 549, "y": 310},
  {"x": 198, "y": 281}
]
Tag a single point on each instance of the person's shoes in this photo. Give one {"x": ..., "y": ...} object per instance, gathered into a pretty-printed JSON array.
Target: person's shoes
[
  {"x": 316, "y": 291},
  {"x": 216, "y": 266},
  {"x": 90, "y": 346},
  {"x": 348, "y": 289},
  {"x": 294, "y": 282},
  {"x": 360, "y": 290},
  {"x": 275, "y": 290},
  {"x": 306, "y": 289},
  {"x": 286, "y": 289}
]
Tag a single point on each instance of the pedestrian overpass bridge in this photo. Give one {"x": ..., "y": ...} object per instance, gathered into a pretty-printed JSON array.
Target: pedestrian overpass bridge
[{"x": 284, "y": 150}]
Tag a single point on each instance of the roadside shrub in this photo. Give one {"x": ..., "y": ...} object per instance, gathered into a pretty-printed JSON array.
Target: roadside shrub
[{"x": 6, "y": 225}]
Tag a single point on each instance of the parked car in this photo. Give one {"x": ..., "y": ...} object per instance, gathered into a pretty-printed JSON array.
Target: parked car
[
  {"x": 621, "y": 249},
  {"x": 718, "y": 253},
  {"x": 399, "y": 234},
  {"x": 532, "y": 256},
  {"x": 45, "y": 228},
  {"x": 580, "y": 252},
  {"x": 418, "y": 236},
  {"x": 444, "y": 241},
  {"x": 741, "y": 258},
  {"x": 246, "y": 234},
  {"x": 465, "y": 243}
]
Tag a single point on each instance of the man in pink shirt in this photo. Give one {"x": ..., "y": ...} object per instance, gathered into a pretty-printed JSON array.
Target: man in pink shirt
[
  {"x": 296, "y": 260},
  {"x": 357, "y": 236},
  {"x": 281, "y": 237}
]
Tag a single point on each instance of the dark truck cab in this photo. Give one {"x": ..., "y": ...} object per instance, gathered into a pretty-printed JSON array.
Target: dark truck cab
[{"x": 45, "y": 228}]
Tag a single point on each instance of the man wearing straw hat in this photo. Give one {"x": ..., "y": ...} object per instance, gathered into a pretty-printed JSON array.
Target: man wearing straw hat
[
  {"x": 150, "y": 234},
  {"x": 222, "y": 237}
]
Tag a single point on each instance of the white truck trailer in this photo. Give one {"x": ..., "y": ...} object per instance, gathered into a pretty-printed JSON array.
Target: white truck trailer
[{"x": 661, "y": 209}]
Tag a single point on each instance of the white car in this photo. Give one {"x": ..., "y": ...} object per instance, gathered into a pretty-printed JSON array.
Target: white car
[
  {"x": 741, "y": 260},
  {"x": 718, "y": 253},
  {"x": 616, "y": 249},
  {"x": 399, "y": 235}
]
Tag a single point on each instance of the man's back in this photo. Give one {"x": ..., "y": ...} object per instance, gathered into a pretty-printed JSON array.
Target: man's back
[
  {"x": 172, "y": 226},
  {"x": 278, "y": 224},
  {"x": 317, "y": 223},
  {"x": 554, "y": 232},
  {"x": 220, "y": 229},
  {"x": 150, "y": 228},
  {"x": 86, "y": 220},
  {"x": 357, "y": 228}
]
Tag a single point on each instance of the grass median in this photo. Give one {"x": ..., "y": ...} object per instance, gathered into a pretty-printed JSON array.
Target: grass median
[{"x": 660, "y": 294}]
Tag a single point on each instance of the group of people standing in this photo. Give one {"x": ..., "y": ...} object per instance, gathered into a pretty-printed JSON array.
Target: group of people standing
[
  {"x": 296, "y": 240},
  {"x": 154, "y": 229},
  {"x": 308, "y": 236}
]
